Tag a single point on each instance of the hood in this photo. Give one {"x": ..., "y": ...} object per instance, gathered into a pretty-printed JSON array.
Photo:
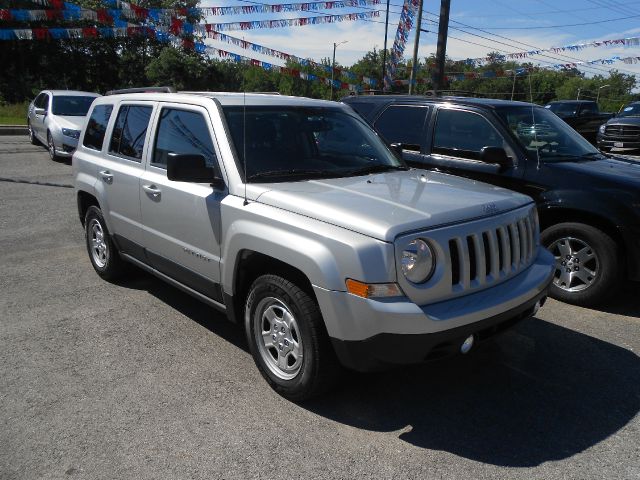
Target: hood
[
  {"x": 386, "y": 205},
  {"x": 70, "y": 121},
  {"x": 621, "y": 171},
  {"x": 635, "y": 121}
]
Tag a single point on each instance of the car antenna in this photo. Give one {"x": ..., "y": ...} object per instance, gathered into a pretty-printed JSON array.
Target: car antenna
[
  {"x": 533, "y": 125},
  {"x": 244, "y": 135}
]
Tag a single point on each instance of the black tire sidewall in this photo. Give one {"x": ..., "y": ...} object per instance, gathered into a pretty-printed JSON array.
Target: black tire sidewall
[
  {"x": 51, "y": 148},
  {"x": 113, "y": 266},
  {"x": 608, "y": 257},
  {"x": 289, "y": 294}
]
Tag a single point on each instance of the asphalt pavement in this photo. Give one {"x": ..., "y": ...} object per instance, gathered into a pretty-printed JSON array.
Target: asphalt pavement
[{"x": 137, "y": 380}]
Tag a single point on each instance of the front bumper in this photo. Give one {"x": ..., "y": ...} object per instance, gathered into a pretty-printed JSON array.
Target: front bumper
[
  {"x": 65, "y": 146},
  {"x": 609, "y": 142},
  {"x": 374, "y": 334}
]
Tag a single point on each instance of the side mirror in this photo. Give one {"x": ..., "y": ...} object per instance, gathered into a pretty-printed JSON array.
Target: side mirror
[
  {"x": 40, "y": 111},
  {"x": 495, "y": 155},
  {"x": 191, "y": 168}
]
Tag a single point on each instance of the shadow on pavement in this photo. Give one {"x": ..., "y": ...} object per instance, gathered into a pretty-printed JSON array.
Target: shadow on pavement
[
  {"x": 625, "y": 302},
  {"x": 539, "y": 393}
]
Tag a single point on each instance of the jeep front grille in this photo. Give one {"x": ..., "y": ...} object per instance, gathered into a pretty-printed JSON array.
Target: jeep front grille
[{"x": 483, "y": 258}]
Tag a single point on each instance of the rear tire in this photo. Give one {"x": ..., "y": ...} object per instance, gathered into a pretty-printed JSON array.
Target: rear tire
[
  {"x": 288, "y": 340},
  {"x": 103, "y": 254},
  {"x": 32, "y": 135},
  {"x": 588, "y": 265}
]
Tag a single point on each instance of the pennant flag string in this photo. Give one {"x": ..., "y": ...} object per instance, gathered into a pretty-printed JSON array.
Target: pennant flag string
[
  {"x": 625, "y": 42},
  {"x": 286, "y": 56},
  {"x": 69, "y": 11},
  {"x": 409, "y": 10}
]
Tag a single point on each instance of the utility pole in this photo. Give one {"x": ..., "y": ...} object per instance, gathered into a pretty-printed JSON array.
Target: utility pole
[
  {"x": 414, "y": 65},
  {"x": 513, "y": 88},
  {"x": 333, "y": 63},
  {"x": 441, "y": 52},
  {"x": 384, "y": 52}
]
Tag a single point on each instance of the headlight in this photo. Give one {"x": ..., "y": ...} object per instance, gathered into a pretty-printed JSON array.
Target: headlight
[
  {"x": 418, "y": 261},
  {"x": 602, "y": 127},
  {"x": 68, "y": 132}
]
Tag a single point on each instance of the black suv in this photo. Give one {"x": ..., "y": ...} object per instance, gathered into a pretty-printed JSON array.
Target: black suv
[{"x": 588, "y": 202}]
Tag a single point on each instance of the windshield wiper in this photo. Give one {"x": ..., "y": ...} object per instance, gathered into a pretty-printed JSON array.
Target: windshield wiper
[
  {"x": 375, "y": 169},
  {"x": 584, "y": 156},
  {"x": 293, "y": 172}
]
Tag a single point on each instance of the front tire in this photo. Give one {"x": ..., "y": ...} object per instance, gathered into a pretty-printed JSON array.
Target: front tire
[
  {"x": 288, "y": 340},
  {"x": 51, "y": 147},
  {"x": 588, "y": 265},
  {"x": 102, "y": 252}
]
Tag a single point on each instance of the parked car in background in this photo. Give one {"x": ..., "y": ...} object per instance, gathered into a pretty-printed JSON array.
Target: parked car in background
[
  {"x": 623, "y": 130},
  {"x": 583, "y": 115},
  {"x": 55, "y": 118},
  {"x": 588, "y": 202},
  {"x": 292, "y": 217}
]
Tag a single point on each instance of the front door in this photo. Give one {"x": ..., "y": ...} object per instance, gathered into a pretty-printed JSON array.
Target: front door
[{"x": 182, "y": 220}]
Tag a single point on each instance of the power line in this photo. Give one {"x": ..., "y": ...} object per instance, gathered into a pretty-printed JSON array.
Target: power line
[{"x": 566, "y": 25}]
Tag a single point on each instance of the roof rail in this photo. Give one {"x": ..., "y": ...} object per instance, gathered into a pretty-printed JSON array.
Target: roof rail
[{"x": 142, "y": 90}]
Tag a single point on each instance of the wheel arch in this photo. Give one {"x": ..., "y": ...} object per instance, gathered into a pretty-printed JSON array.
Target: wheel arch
[
  {"x": 251, "y": 264},
  {"x": 554, "y": 215},
  {"x": 85, "y": 200}
]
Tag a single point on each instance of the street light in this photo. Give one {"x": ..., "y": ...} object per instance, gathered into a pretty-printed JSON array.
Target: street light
[
  {"x": 333, "y": 63},
  {"x": 598, "y": 95}
]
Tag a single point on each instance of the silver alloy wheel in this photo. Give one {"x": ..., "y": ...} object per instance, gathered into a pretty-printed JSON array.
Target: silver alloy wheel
[
  {"x": 278, "y": 338},
  {"x": 577, "y": 265},
  {"x": 51, "y": 147},
  {"x": 97, "y": 243}
]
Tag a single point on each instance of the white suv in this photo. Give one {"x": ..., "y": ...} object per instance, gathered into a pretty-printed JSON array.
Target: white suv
[{"x": 292, "y": 217}]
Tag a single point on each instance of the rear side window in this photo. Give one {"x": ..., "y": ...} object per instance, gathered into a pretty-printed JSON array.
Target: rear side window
[
  {"x": 42, "y": 101},
  {"x": 97, "y": 126},
  {"x": 184, "y": 132},
  {"x": 130, "y": 130},
  {"x": 403, "y": 124}
]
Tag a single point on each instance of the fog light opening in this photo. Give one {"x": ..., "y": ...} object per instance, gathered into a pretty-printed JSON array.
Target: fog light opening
[{"x": 467, "y": 344}]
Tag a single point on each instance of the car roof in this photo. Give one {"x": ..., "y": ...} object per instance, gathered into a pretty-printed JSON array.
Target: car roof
[
  {"x": 225, "y": 98},
  {"x": 71, "y": 93},
  {"x": 469, "y": 101}
]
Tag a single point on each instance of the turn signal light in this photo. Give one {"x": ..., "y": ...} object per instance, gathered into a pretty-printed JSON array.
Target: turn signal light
[{"x": 373, "y": 290}]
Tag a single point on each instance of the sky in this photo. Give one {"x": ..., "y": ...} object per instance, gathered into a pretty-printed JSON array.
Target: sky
[{"x": 475, "y": 28}]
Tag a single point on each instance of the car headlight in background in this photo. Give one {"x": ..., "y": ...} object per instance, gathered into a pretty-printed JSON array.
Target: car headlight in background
[
  {"x": 602, "y": 127},
  {"x": 69, "y": 132},
  {"x": 418, "y": 261}
]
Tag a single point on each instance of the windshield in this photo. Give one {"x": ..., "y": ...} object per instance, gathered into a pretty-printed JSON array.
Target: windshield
[
  {"x": 288, "y": 142},
  {"x": 545, "y": 136},
  {"x": 632, "y": 110},
  {"x": 563, "y": 109},
  {"x": 73, "y": 106}
]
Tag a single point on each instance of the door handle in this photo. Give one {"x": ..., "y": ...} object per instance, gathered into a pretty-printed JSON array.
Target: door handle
[
  {"x": 106, "y": 176},
  {"x": 152, "y": 190}
]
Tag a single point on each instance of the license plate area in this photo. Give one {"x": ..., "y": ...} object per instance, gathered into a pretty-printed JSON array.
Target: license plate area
[{"x": 618, "y": 144}]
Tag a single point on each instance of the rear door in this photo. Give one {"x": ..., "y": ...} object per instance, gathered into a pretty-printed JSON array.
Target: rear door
[
  {"x": 182, "y": 220},
  {"x": 120, "y": 171},
  {"x": 38, "y": 121}
]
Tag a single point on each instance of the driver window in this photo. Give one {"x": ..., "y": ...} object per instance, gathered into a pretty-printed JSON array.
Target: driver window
[
  {"x": 460, "y": 133},
  {"x": 183, "y": 132}
]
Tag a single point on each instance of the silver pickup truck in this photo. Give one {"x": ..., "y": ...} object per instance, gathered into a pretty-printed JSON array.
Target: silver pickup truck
[{"x": 292, "y": 217}]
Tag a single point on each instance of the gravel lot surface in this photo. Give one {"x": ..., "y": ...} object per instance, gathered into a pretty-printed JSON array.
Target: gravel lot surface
[{"x": 136, "y": 380}]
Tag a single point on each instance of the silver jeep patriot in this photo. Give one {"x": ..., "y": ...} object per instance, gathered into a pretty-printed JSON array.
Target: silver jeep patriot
[{"x": 294, "y": 218}]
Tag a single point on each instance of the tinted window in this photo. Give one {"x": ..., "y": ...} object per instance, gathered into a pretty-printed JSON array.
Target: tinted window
[
  {"x": 463, "y": 134},
  {"x": 97, "y": 126},
  {"x": 73, "y": 106},
  {"x": 180, "y": 131},
  {"x": 129, "y": 131},
  {"x": 304, "y": 142},
  {"x": 42, "y": 101},
  {"x": 363, "y": 109},
  {"x": 563, "y": 109},
  {"x": 403, "y": 124}
]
